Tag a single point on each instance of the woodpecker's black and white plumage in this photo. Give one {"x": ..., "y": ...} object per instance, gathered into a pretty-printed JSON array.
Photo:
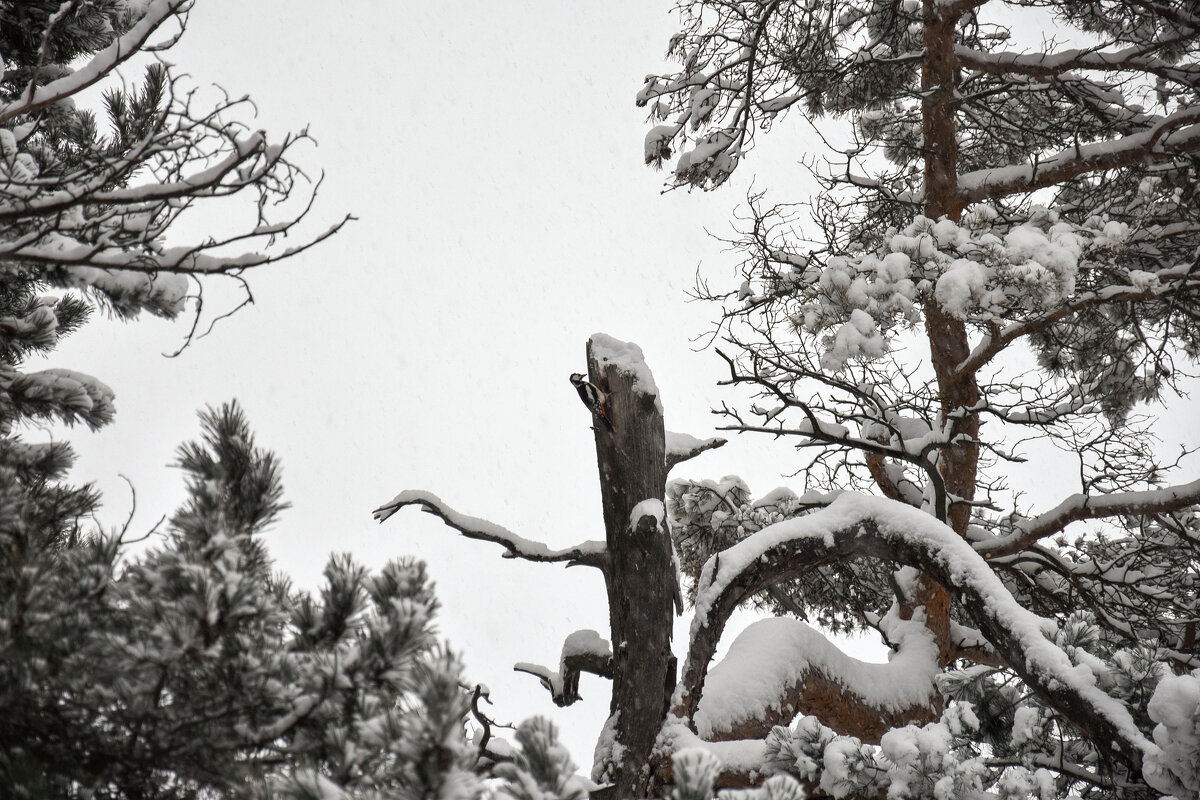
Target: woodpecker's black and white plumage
[{"x": 593, "y": 398}]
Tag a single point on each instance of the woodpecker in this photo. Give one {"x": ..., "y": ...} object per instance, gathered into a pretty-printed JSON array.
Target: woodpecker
[{"x": 593, "y": 398}]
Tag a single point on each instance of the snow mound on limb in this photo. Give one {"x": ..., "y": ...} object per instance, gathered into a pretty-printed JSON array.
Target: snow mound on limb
[
  {"x": 683, "y": 443},
  {"x": 683, "y": 446},
  {"x": 774, "y": 654},
  {"x": 586, "y": 642},
  {"x": 647, "y": 508}
]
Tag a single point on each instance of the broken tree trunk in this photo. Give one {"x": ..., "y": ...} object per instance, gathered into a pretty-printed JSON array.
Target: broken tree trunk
[{"x": 640, "y": 573}]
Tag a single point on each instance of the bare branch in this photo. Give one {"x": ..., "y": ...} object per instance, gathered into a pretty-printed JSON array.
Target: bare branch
[{"x": 591, "y": 553}]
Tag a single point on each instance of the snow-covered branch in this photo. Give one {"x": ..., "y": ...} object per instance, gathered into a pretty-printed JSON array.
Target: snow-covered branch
[
  {"x": 1045, "y": 65},
  {"x": 1175, "y": 134},
  {"x": 582, "y": 651},
  {"x": 683, "y": 446},
  {"x": 591, "y": 553},
  {"x": 102, "y": 64},
  {"x": 1079, "y": 507}
]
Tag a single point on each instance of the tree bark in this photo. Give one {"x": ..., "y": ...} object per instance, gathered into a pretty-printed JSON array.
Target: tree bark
[
  {"x": 640, "y": 576},
  {"x": 948, "y": 345}
]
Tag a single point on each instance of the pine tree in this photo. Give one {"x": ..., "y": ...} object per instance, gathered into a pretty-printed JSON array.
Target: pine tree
[
  {"x": 88, "y": 196},
  {"x": 1004, "y": 256},
  {"x": 1006, "y": 251},
  {"x": 85, "y": 214},
  {"x": 190, "y": 670},
  {"x": 193, "y": 670}
]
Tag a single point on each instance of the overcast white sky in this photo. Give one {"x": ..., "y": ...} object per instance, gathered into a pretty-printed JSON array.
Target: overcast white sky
[{"x": 492, "y": 153}]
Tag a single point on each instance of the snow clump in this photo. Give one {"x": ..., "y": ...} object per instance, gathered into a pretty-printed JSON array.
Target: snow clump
[
  {"x": 982, "y": 269},
  {"x": 1175, "y": 766}
]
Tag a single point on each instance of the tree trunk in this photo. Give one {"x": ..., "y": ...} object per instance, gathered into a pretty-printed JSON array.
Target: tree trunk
[
  {"x": 640, "y": 575},
  {"x": 948, "y": 343}
]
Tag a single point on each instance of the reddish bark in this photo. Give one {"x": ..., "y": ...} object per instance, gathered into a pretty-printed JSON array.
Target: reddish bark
[{"x": 823, "y": 697}]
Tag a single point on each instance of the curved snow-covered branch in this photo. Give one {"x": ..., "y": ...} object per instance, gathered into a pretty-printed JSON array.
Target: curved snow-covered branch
[
  {"x": 894, "y": 487},
  {"x": 590, "y": 553},
  {"x": 857, "y": 525},
  {"x": 1081, "y": 506}
]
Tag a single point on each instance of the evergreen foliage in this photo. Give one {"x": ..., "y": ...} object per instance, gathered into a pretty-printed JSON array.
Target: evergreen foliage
[
  {"x": 184, "y": 669},
  {"x": 542, "y": 769},
  {"x": 191, "y": 670},
  {"x": 1004, "y": 256}
]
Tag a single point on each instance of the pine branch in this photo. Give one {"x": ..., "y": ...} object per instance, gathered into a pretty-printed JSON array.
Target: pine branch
[{"x": 102, "y": 64}]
